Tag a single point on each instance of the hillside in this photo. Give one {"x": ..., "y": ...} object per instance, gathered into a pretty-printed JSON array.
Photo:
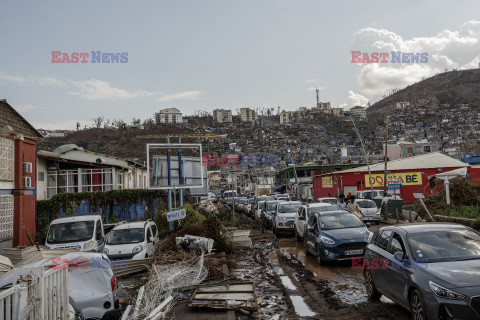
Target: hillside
[{"x": 453, "y": 87}]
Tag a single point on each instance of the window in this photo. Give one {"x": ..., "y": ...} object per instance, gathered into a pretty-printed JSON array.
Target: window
[
  {"x": 149, "y": 234},
  {"x": 396, "y": 244},
  {"x": 6, "y": 159},
  {"x": 382, "y": 239},
  {"x": 98, "y": 227},
  {"x": 6, "y": 217},
  {"x": 41, "y": 176},
  {"x": 154, "y": 230}
]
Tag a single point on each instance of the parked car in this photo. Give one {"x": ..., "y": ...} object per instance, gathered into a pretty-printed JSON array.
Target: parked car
[
  {"x": 83, "y": 232},
  {"x": 268, "y": 213},
  {"x": 91, "y": 282},
  {"x": 330, "y": 200},
  {"x": 304, "y": 213},
  {"x": 240, "y": 203},
  {"x": 335, "y": 235},
  {"x": 377, "y": 194},
  {"x": 285, "y": 216},
  {"x": 431, "y": 269},
  {"x": 369, "y": 210},
  {"x": 133, "y": 240},
  {"x": 247, "y": 208},
  {"x": 228, "y": 196}
]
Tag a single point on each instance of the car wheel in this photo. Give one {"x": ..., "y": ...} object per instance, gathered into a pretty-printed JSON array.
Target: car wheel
[
  {"x": 307, "y": 253},
  {"x": 417, "y": 306},
  {"x": 297, "y": 236},
  {"x": 372, "y": 292}
]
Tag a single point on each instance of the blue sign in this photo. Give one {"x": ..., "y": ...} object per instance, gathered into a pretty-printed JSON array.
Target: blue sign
[{"x": 394, "y": 186}]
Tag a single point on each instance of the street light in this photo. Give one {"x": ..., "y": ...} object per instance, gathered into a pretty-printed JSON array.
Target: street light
[{"x": 365, "y": 154}]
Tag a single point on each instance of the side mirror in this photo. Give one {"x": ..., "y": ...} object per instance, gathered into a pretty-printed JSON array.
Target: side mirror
[
  {"x": 98, "y": 236},
  {"x": 398, "y": 255},
  {"x": 310, "y": 229},
  {"x": 151, "y": 239},
  {"x": 368, "y": 224}
]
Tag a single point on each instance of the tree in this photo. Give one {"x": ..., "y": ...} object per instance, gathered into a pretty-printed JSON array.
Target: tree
[
  {"x": 97, "y": 122},
  {"x": 78, "y": 125},
  {"x": 135, "y": 122}
]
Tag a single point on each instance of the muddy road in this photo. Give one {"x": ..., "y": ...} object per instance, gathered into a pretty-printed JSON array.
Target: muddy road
[{"x": 293, "y": 286}]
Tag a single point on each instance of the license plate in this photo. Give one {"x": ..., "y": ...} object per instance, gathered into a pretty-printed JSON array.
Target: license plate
[{"x": 353, "y": 252}]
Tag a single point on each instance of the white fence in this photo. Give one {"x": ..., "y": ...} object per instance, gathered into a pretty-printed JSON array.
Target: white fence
[{"x": 44, "y": 295}]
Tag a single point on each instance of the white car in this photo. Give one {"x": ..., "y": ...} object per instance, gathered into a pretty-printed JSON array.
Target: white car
[
  {"x": 304, "y": 213},
  {"x": 260, "y": 208},
  {"x": 285, "y": 216},
  {"x": 369, "y": 210},
  {"x": 91, "y": 282},
  {"x": 330, "y": 200},
  {"x": 83, "y": 232},
  {"x": 132, "y": 240}
]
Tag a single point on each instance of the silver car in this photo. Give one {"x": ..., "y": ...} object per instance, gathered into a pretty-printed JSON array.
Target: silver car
[{"x": 431, "y": 269}]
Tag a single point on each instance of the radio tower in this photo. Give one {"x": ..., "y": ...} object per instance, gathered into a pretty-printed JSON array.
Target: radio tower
[{"x": 318, "y": 96}]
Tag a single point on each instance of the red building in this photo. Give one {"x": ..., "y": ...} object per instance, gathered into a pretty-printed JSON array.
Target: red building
[
  {"x": 413, "y": 173},
  {"x": 17, "y": 178}
]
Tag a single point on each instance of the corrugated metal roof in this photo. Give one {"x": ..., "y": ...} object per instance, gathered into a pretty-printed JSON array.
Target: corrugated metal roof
[
  {"x": 424, "y": 161},
  {"x": 67, "y": 147}
]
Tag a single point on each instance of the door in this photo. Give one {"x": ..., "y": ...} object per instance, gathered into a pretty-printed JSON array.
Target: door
[
  {"x": 397, "y": 270},
  {"x": 300, "y": 225},
  {"x": 154, "y": 234},
  {"x": 310, "y": 233},
  {"x": 376, "y": 257},
  {"x": 99, "y": 236}
]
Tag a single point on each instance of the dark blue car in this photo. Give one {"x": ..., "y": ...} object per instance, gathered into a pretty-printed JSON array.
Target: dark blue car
[{"x": 335, "y": 236}]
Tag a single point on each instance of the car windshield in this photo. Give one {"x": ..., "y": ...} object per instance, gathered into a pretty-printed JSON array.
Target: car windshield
[
  {"x": 250, "y": 200},
  {"x": 70, "y": 232},
  {"x": 271, "y": 206},
  {"x": 332, "y": 201},
  {"x": 366, "y": 204},
  {"x": 242, "y": 201},
  {"x": 124, "y": 236},
  {"x": 289, "y": 207},
  {"x": 340, "y": 221},
  {"x": 261, "y": 205},
  {"x": 445, "y": 245},
  {"x": 322, "y": 209}
]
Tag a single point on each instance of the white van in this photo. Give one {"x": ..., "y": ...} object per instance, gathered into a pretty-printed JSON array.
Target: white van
[
  {"x": 132, "y": 240},
  {"x": 84, "y": 232}
]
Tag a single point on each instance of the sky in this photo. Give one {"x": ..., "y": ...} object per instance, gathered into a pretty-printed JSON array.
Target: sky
[{"x": 206, "y": 54}]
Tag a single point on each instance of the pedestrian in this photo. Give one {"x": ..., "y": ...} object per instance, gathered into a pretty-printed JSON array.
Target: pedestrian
[
  {"x": 349, "y": 195},
  {"x": 342, "y": 203},
  {"x": 353, "y": 207},
  {"x": 383, "y": 206}
]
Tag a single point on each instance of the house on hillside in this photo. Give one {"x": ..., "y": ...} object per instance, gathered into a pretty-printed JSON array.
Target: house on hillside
[
  {"x": 17, "y": 178},
  {"x": 71, "y": 169}
]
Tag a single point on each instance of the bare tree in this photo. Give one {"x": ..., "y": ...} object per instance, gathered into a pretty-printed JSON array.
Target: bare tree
[
  {"x": 78, "y": 126},
  {"x": 97, "y": 122}
]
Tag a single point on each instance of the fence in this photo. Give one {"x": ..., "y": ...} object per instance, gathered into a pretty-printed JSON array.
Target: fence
[{"x": 41, "y": 295}]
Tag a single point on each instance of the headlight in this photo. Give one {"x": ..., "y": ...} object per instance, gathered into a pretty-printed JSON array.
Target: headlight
[
  {"x": 137, "y": 249},
  {"x": 105, "y": 250},
  {"x": 368, "y": 236},
  {"x": 269, "y": 217},
  {"x": 282, "y": 219},
  {"x": 444, "y": 292},
  {"x": 88, "y": 245},
  {"x": 327, "y": 240}
]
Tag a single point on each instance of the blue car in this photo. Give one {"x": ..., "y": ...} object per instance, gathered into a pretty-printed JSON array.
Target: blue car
[{"x": 335, "y": 236}]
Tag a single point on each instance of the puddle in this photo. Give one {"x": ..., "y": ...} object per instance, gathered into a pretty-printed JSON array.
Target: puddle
[
  {"x": 287, "y": 283},
  {"x": 295, "y": 248},
  {"x": 301, "y": 308}
]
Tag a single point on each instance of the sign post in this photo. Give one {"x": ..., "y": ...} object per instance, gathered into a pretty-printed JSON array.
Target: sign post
[
  {"x": 176, "y": 215},
  {"x": 420, "y": 198}
]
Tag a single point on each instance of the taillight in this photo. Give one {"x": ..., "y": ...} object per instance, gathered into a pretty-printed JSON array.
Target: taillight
[{"x": 113, "y": 283}]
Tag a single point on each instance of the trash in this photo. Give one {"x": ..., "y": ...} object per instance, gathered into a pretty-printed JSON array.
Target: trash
[
  {"x": 25, "y": 255},
  {"x": 156, "y": 297},
  {"x": 241, "y": 238},
  {"x": 126, "y": 267},
  {"x": 240, "y": 295},
  {"x": 189, "y": 242}
]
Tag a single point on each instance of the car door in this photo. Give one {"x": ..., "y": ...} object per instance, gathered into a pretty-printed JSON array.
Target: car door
[
  {"x": 398, "y": 271},
  {"x": 309, "y": 233},
  {"x": 376, "y": 257},
  {"x": 154, "y": 233},
  {"x": 99, "y": 236},
  {"x": 301, "y": 220}
]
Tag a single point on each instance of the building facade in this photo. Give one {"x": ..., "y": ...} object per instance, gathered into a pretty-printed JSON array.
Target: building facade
[
  {"x": 222, "y": 115},
  {"x": 169, "y": 115},
  {"x": 358, "y": 112},
  {"x": 285, "y": 117},
  {"x": 71, "y": 169},
  {"x": 17, "y": 178},
  {"x": 248, "y": 115}
]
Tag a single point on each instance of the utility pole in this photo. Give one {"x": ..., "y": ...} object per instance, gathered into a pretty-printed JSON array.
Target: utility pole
[
  {"x": 366, "y": 156},
  {"x": 386, "y": 159}
]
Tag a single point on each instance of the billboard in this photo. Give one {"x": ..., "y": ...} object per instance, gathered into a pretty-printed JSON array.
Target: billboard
[{"x": 404, "y": 178}]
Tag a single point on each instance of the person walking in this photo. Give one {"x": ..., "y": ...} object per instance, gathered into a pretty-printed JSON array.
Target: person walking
[{"x": 353, "y": 207}]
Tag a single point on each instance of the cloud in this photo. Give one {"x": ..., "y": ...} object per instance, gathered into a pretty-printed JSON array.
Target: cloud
[
  {"x": 446, "y": 50},
  {"x": 185, "y": 95},
  {"x": 92, "y": 89},
  {"x": 355, "y": 99},
  {"x": 95, "y": 89}
]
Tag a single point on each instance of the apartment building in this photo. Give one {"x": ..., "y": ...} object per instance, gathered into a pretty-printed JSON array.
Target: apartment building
[
  {"x": 222, "y": 115},
  {"x": 248, "y": 115}
]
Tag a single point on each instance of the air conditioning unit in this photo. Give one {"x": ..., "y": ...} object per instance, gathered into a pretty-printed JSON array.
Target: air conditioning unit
[
  {"x": 27, "y": 167},
  {"x": 27, "y": 182}
]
